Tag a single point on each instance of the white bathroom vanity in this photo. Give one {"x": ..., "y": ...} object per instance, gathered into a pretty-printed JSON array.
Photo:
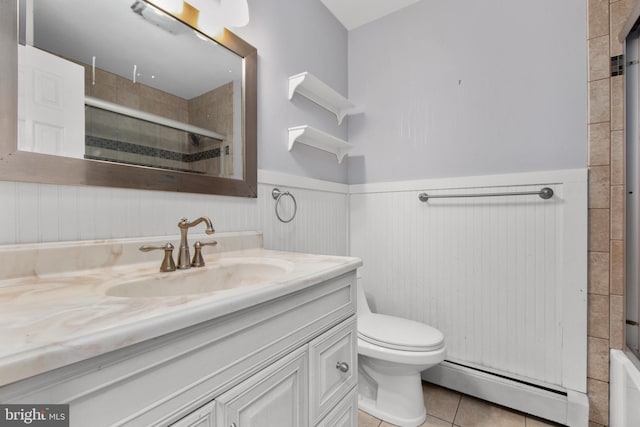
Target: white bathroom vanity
[{"x": 278, "y": 349}]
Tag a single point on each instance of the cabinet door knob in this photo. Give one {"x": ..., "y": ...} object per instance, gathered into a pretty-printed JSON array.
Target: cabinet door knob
[
  {"x": 342, "y": 366},
  {"x": 233, "y": 425}
]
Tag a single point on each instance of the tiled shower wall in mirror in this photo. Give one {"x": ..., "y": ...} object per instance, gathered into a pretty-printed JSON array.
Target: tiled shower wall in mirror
[{"x": 115, "y": 137}]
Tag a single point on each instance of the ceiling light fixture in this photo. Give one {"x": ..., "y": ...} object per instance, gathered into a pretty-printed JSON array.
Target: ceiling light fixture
[
  {"x": 157, "y": 17},
  {"x": 211, "y": 16},
  {"x": 235, "y": 12},
  {"x": 171, "y": 6}
]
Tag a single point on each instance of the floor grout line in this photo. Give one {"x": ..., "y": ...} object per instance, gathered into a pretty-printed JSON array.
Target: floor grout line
[
  {"x": 438, "y": 418},
  {"x": 457, "y": 408}
]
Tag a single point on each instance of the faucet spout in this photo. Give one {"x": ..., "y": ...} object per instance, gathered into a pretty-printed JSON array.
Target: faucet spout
[
  {"x": 183, "y": 250},
  {"x": 185, "y": 224}
]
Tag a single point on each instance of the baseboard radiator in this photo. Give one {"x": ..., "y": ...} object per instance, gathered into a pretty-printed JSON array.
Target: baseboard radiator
[{"x": 562, "y": 406}]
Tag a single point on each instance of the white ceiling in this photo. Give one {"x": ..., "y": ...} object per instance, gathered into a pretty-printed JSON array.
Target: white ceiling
[{"x": 354, "y": 13}]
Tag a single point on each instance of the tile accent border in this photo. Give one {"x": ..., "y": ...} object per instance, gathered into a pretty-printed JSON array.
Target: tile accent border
[
  {"x": 617, "y": 65},
  {"x": 127, "y": 147}
]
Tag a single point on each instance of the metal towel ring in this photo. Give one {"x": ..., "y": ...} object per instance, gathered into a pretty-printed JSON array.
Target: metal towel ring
[{"x": 277, "y": 195}]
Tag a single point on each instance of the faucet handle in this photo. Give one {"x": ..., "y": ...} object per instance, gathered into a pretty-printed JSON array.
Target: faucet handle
[
  {"x": 167, "y": 261},
  {"x": 198, "y": 261}
]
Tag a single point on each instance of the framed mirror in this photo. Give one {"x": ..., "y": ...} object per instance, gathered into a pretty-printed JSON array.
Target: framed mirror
[{"x": 123, "y": 94}]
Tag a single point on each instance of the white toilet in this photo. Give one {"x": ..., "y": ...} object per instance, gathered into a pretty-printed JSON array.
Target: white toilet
[{"x": 392, "y": 352}]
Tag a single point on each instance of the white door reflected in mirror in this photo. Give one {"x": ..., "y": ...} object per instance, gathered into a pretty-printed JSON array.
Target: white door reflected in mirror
[{"x": 50, "y": 104}]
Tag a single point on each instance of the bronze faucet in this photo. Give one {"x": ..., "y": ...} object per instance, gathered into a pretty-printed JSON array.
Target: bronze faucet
[{"x": 183, "y": 250}]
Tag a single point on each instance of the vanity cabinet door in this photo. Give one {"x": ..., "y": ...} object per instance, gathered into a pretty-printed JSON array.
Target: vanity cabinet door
[
  {"x": 202, "y": 417},
  {"x": 333, "y": 367},
  {"x": 276, "y": 396}
]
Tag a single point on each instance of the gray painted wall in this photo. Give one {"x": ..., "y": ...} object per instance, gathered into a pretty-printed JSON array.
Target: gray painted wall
[
  {"x": 465, "y": 87},
  {"x": 293, "y": 36}
]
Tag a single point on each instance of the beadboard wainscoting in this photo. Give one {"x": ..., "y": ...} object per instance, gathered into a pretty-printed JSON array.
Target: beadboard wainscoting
[
  {"x": 36, "y": 213},
  {"x": 321, "y": 220},
  {"x": 504, "y": 278}
]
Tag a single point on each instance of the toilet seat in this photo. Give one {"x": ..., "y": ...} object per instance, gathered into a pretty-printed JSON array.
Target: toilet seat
[{"x": 399, "y": 334}]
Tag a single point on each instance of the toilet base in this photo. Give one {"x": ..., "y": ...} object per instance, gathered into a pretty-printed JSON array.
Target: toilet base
[
  {"x": 391, "y": 392},
  {"x": 369, "y": 406}
]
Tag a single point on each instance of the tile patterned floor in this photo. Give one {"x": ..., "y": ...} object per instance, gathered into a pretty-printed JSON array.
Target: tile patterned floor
[{"x": 447, "y": 408}]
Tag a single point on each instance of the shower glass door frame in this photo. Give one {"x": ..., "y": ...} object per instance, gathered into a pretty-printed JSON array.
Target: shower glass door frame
[{"x": 632, "y": 72}]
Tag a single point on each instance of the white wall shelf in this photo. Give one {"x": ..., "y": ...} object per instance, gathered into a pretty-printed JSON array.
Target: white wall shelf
[
  {"x": 318, "y": 139},
  {"x": 309, "y": 86}
]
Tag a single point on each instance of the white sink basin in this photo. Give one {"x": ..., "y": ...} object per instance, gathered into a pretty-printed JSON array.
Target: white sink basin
[{"x": 223, "y": 276}]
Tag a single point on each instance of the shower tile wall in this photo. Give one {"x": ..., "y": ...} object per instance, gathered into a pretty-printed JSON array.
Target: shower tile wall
[
  {"x": 214, "y": 110},
  {"x": 606, "y": 197},
  {"x": 113, "y": 88}
]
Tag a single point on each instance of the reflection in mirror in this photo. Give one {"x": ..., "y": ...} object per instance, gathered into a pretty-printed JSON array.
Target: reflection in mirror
[{"x": 121, "y": 81}]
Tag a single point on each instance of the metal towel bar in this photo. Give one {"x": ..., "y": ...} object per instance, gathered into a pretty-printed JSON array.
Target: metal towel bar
[{"x": 545, "y": 193}]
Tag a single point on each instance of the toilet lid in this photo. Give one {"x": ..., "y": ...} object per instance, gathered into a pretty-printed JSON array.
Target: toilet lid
[{"x": 397, "y": 333}]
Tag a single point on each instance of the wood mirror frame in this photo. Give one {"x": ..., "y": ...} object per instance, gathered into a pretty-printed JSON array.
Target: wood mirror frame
[{"x": 23, "y": 166}]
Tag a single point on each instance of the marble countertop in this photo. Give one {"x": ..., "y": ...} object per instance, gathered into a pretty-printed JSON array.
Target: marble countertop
[{"x": 54, "y": 320}]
